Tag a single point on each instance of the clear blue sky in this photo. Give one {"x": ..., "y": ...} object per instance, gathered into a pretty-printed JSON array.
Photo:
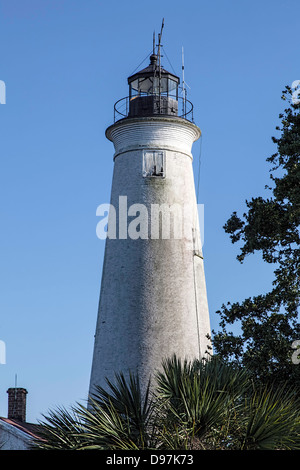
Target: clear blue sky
[{"x": 65, "y": 63}]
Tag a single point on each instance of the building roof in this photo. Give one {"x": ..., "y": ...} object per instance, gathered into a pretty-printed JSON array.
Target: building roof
[
  {"x": 150, "y": 70},
  {"x": 28, "y": 428}
]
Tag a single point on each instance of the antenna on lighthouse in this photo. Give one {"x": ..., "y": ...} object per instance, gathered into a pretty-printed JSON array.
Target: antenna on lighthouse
[
  {"x": 159, "y": 38},
  {"x": 184, "y": 84},
  {"x": 159, "y": 62},
  {"x": 154, "y": 42}
]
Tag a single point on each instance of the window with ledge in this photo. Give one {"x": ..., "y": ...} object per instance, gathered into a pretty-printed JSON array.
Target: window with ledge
[{"x": 154, "y": 163}]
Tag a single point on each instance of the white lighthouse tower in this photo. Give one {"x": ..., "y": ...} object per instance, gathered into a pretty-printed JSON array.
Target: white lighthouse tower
[{"x": 153, "y": 300}]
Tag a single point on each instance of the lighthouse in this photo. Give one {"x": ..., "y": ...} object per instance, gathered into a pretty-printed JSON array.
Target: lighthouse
[{"x": 153, "y": 300}]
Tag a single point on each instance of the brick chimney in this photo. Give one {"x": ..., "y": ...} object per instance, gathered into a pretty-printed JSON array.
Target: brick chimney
[{"x": 17, "y": 404}]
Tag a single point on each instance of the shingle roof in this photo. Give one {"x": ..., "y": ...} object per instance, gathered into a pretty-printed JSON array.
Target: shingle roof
[{"x": 28, "y": 428}]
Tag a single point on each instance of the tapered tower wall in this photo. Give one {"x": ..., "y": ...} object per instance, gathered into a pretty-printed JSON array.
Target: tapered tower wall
[{"x": 153, "y": 299}]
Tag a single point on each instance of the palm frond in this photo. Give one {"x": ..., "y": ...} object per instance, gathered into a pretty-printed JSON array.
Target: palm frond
[
  {"x": 194, "y": 405},
  {"x": 199, "y": 393},
  {"x": 272, "y": 419},
  {"x": 60, "y": 430},
  {"x": 124, "y": 406}
]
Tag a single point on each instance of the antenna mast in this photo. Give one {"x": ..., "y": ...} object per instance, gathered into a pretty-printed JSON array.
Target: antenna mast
[
  {"x": 159, "y": 63},
  {"x": 159, "y": 40},
  {"x": 153, "y": 42},
  {"x": 183, "y": 86}
]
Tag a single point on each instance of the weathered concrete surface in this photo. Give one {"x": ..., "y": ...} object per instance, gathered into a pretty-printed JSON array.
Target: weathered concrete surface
[{"x": 153, "y": 299}]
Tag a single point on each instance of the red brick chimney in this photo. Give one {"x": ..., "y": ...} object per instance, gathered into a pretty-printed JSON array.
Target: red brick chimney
[{"x": 17, "y": 404}]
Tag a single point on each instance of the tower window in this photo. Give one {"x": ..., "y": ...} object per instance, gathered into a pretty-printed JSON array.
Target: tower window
[{"x": 154, "y": 163}]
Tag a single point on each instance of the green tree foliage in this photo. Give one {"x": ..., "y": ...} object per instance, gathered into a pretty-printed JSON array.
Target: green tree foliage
[
  {"x": 192, "y": 406},
  {"x": 269, "y": 323}
]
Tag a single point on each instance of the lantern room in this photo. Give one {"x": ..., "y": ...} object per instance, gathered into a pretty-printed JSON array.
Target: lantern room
[{"x": 153, "y": 91}]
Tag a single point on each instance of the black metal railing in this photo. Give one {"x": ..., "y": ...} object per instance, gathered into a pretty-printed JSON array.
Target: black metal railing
[{"x": 185, "y": 110}]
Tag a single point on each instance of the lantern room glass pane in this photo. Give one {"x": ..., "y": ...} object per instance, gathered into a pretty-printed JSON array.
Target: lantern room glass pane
[
  {"x": 172, "y": 85},
  {"x": 151, "y": 86}
]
